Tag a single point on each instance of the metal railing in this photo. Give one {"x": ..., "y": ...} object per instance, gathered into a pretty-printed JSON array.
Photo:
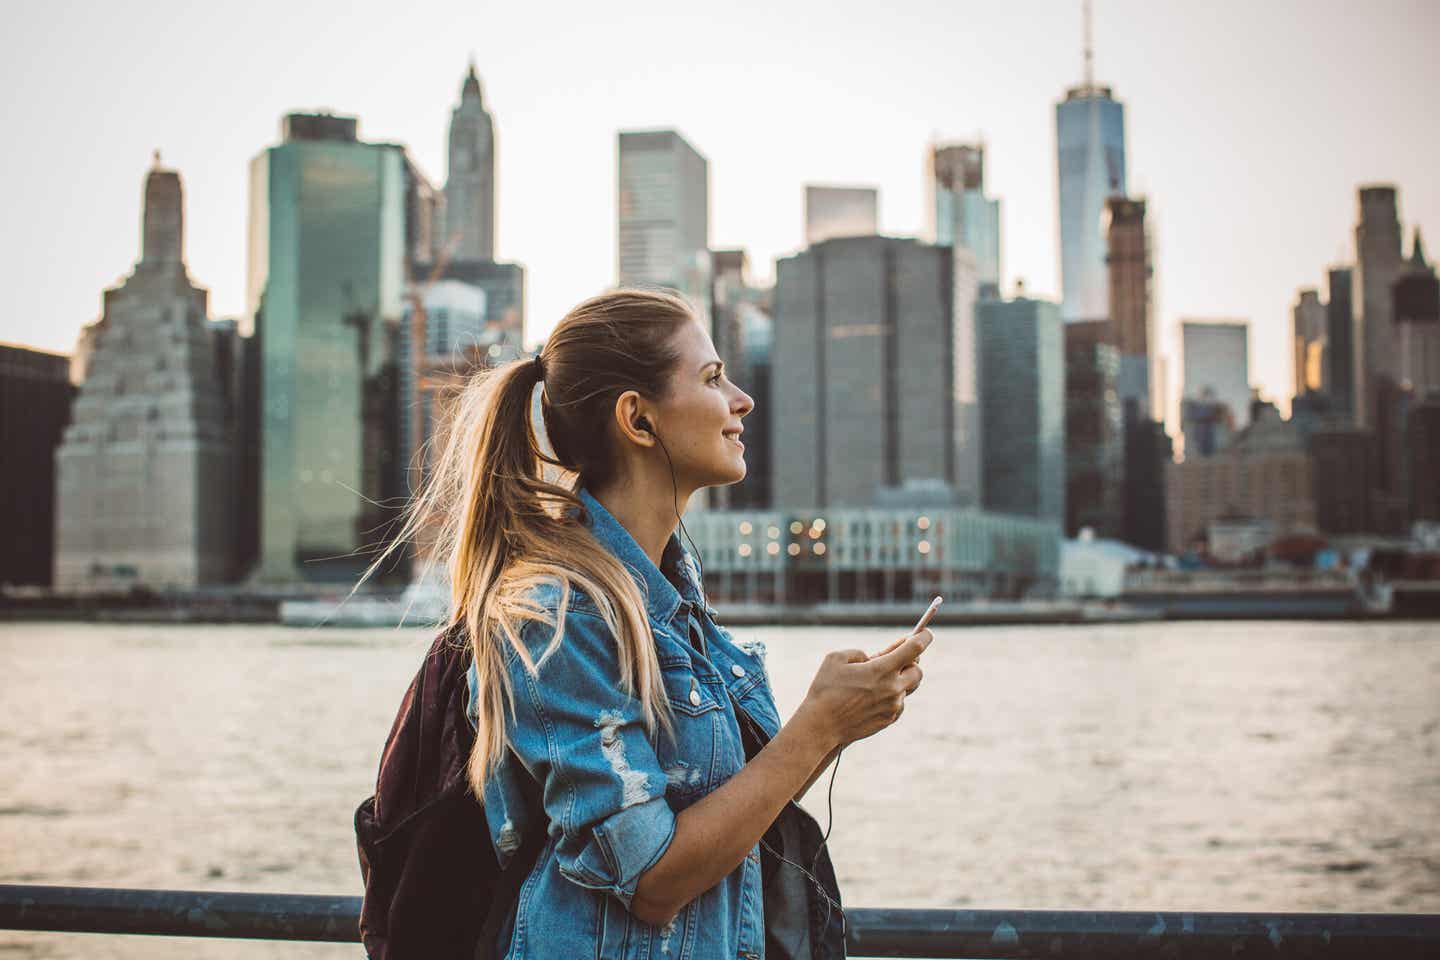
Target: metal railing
[{"x": 1073, "y": 934}]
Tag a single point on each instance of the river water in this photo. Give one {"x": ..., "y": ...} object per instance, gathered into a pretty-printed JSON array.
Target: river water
[{"x": 1193, "y": 766}]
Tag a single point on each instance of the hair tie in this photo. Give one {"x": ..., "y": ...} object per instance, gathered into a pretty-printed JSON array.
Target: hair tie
[{"x": 539, "y": 368}]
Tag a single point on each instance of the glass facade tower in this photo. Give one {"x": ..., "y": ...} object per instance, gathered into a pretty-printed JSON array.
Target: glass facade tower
[
  {"x": 1090, "y": 163},
  {"x": 326, "y": 276}
]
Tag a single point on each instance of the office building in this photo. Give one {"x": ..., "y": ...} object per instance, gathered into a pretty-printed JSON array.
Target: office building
[
  {"x": 1148, "y": 455},
  {"x": 867, "y": 556},
  {"x": 457, "y": 344},
  {"x": 960, "y": 212},
  {"x": 144, "y": 475},
  {"x": 1094, "y": 431},
  {"x": 1343, "y": 469},
  {"x": 1217, "y": 367},
  {"x": 1309, "y": 338},
  {"x": 35, "y": 399},
  {"x": 328, "y": 264},
  {"x": 863, "y": 335},
  {"x": 1263, "y": 475},
  {"x": 470, "y": 180},
  {"x": 965, "y": 378},
  {"x": 1130, "y": 271},
  {"x": 1090, "y": 167},
  {"x": 832, "y": 212},
  {"x": 664, "y": 215},
  {"x": 744, "y": 338},
  {"x": 1423, "y": 443},
  {"x": 1340, "y": 340},
  {"x": 1378, "y": 265},
  {"x": 1417, "y": 323},
  {"x": 1021, "y": 352}
]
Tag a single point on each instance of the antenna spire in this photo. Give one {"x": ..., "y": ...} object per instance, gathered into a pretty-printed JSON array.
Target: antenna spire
[{"x": 1089, "y": 49}]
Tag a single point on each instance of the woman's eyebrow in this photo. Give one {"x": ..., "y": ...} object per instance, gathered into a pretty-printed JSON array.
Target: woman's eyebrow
[{"x": 713, "y": 363}]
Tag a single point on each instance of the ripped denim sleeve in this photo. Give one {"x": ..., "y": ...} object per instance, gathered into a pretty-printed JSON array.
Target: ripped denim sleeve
[{"x": 584, "y": 739}]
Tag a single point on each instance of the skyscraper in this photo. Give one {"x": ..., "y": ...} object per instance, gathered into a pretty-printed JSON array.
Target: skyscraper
[
  {"x": 744, "y": 339},
  {"x": 1309, "y": 341},
  {"x": 328, "y": 258},
  {"x": 664, "y": 214},
  {"x": 1340, "y": 335},
  {"x": 35, "y": 399},
  {"x": 961, "y": 214},
  {"x": 470, "y": 180},
  {"x": 144, "y": 473},
  {"x": 1417, "y": 323},
  {"x": 1022, "y": 407},
  {"x": 840, "y": 212},
  {"x": 1128, "y": 272},
  {"x": 1377, "y": 265},
  {"x": 1094, "y": 431},
  {"x": 862, "y": 354},
  {"x": 1090, "y": 164}
]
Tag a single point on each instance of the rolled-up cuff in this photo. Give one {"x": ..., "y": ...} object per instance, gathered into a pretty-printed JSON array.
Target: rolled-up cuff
[{"x": 621, "y": 848}]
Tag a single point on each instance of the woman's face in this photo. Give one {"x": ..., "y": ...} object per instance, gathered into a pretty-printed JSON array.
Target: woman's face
[{"x": 699, "y": 420}]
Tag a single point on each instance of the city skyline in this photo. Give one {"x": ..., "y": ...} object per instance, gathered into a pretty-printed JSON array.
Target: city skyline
[{"x": 1192, "y": 124}]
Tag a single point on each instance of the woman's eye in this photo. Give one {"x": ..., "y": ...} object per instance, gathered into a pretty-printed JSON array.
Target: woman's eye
[{"x": 716, "y": 378}]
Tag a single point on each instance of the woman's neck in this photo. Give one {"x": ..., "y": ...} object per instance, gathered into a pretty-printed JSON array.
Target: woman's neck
[{"x": 645, "y": 511}]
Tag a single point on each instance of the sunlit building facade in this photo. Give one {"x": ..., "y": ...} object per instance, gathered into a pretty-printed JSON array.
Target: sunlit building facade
[{"x": 326, "y": 280}]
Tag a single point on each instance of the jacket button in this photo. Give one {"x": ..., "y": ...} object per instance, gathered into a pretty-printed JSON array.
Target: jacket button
[
  {"x": 738, "y": 670},
  {"x": 694, "y": 698}
]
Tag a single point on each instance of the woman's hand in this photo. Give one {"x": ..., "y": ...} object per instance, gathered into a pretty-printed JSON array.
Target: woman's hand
[{"x": 854, "y": 695}]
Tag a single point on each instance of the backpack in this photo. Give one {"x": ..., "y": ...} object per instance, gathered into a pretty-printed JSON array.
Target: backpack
[{"x": 434, "y": 889}]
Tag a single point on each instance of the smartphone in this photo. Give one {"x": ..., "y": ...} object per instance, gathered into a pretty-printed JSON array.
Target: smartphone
[{"x": 929, "y": 612}]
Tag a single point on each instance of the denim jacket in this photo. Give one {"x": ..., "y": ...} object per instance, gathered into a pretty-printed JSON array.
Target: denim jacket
[{"x": 611, "y": 792}]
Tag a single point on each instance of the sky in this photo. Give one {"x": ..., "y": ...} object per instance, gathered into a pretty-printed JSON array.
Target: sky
[{"x": 1249, "y": 127}]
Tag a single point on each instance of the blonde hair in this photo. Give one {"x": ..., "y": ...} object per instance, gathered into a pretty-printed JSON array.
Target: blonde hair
[{"x": 503, "y": 513}]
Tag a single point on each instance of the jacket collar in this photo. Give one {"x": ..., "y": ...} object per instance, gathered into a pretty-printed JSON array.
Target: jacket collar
[{"x": 662, "y": 597}]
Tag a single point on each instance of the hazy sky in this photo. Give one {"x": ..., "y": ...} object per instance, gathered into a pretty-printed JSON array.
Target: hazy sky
[{"x": 1249, "y": 125}]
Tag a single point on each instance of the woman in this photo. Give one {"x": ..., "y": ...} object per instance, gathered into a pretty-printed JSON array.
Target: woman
[{"x": 599, "y": 674}]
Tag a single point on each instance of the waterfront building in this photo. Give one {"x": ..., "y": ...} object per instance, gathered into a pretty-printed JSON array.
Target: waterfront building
[
  {"x": 1263, "y": 474},
  {"x": 1423, "y": 443},
  {"x": 1022, "y": 407},
  {"x": 863, "y": 333},
  {"x": 330, "y": 248},
  {"x": 470, "y": 180},
  {"x": 874, "y": 555},
  {"x": 1129, "y": 270},
  {"x": 35, "y": 399},
  {"x": 744, "y": 337},
  {"x": 1340, "y": 339},
  {"x": 1094, "y": 431},
  {"x": 1148, "y": 455},
  {"x": 1090, "y": 168},
  {"x": 144, "y": 474},
  {"x": 1217, "y": 366},
  {"x": 1343, "y": 469},
  {"x": 840, "y": 212},
  {"x": 664, "y": 215},
  {"x": 961, "y": 214},
  {"x": 1309, "y": 328}
]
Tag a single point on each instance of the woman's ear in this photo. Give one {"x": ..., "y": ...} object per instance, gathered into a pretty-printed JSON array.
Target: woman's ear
[{"x": 631, "y": 421}]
